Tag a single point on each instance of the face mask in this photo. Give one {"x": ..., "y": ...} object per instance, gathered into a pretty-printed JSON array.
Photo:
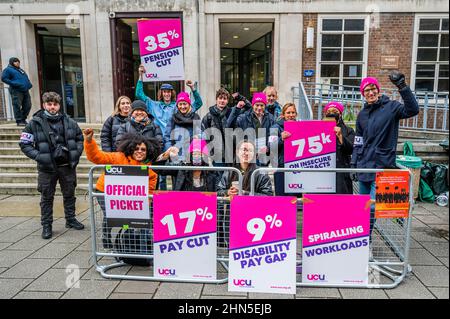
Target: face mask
[
  {"x": 196, "y": 160},
  {"x": 333, "y": 115}
]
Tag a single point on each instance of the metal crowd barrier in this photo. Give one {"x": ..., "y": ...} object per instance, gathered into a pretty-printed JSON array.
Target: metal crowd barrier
[
  {"x": 390, "y": 237},
  {"x": 102, "y": 253}
]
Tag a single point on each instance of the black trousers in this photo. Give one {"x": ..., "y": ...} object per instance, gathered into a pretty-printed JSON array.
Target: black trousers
[
  {"x": 67, "y": 178},
  {"x": 21, "y": 102}
]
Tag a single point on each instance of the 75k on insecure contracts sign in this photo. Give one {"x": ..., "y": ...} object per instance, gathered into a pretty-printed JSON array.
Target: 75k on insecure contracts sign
[
  {"x": 312, "y": 144},
  {"x": 263, "y": 244},
  {"x": 126, "y": 196},
  {"x": 161, "y": 49}
]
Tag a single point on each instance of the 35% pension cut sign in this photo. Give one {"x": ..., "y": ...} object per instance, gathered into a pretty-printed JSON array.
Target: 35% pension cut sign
[
  {"x": 190, "y": 216},
  {"x": 162, "y": 40},
  {"x": 257, "y": 226}
]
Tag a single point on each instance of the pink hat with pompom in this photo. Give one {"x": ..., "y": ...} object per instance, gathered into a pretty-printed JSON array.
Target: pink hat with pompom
[{"x": 335, "y": 105}]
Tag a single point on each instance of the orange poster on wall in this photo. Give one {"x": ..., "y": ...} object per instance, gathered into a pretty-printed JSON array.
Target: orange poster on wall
[{"x": 392, "y": 194}]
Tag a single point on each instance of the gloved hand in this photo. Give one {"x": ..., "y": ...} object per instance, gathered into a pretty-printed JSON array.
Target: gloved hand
[{"x": 398, "y": 79}]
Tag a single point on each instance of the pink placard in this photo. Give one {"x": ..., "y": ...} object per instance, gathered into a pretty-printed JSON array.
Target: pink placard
[
  {"x": 276, "y": 214},
  {"x": 188, "y": 209},
  {"x": 331, "y": 218},
  {"x": 164, "y": 31},
  {"x": 311, "y": 139}
]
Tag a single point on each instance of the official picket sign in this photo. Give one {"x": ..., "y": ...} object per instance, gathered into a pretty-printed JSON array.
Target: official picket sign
[
  {"x": 185, "y": 240},
  {"x": 262, "y": 244},
  {"x": 161, "y": 49},
  {"x": 392, "y": 194},
  {"x": 126, "y": 196},
  {"x": 312, "y": 144},
  {"x": 336, "y": 239}
]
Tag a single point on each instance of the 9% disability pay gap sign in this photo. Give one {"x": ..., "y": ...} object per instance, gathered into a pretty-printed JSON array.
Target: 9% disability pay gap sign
[
  {"x": 185, "y": 239},
  {"x": 263, "y": 244}
]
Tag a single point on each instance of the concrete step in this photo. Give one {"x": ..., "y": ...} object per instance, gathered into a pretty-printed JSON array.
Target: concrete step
[
  {"x": 32, "y": 168},
  {"x": 31, "y": 189},
  {"x": 12, "y": 143},
  {"x": 25, "y": 178},
  {"x": 21, "y": 159},
  {"x": 10, "y": 151},
  {"x": 422, "y": 135}
]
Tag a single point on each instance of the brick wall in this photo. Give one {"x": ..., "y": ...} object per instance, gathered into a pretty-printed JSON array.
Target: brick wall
[{"x": 393, "y": 37}]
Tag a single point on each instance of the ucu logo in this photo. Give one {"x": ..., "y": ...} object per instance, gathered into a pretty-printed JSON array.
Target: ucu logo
[
  {"x": 242, "y": 282},
  {"x": 151, "y": 75},
  {"x": 114, "y": 170},
  {"x": 295, "y": 186},
  {"x": 166, "y": 272},
  {"x": 315, "y": 277}
]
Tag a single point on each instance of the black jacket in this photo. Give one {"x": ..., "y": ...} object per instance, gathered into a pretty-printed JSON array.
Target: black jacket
[
  {"x": 377, "y": 132},
  {"x": 109, "y": 132},
  {"x": 181, "y": 183},
  {"x": 216, "y": 120},
  {"x": 275, "y": 132},
  {"x": 344, "y": 184},
  {"x": 151, "y": 130},
  {"x": 35, "y": 142},
  {"x": 263, "y": 185}
]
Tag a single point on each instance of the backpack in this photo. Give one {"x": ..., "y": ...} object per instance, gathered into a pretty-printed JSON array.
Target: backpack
[{"x": 134, "y": 241}]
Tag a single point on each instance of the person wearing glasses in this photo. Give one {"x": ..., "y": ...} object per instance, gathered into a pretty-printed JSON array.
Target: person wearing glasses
[
  {"x": 133, "y": 149},
  {"x": 377, "y": 128}
]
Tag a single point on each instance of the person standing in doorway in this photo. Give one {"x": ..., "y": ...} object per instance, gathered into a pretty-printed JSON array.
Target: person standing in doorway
[
  {"x": 19, "y": 86},
  {"x": 55, "y": 142}
]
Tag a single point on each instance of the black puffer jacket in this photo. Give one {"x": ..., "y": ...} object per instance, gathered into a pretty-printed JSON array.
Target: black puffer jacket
[
  {"x": 151, "y": 130},
  {"x": 216, "y": 120},
  {"x": 35, "y": 142},
  {"x": 109, "y": 132},
  {"x": 263, "y": 185},
  {"x": 183, "y": 180},
  {"x": 344, "y": 184}
]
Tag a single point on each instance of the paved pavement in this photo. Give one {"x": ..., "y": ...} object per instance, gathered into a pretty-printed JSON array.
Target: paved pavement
[{"x": 31, "y": 267}]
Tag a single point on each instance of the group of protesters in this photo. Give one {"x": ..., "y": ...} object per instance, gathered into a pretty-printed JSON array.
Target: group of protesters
[{"x": 170, "y": 132}]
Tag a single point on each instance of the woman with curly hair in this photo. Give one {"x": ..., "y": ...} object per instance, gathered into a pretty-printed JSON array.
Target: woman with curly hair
[{"x": 134, "y": 149}]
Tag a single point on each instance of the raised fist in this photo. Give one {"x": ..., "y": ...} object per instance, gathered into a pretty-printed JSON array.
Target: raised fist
[
  {"x": 88, "y": 134},
  {"x": 398, "y": 79},
  {"x": 141, "y": 69}
]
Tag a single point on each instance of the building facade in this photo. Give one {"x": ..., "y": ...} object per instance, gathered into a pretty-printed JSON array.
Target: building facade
[{"x": 88, "y": 50}]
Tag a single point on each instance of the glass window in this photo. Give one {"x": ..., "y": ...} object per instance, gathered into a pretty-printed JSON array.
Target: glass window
[
  {"x": 432, "y": 48},
  {"x": 354, "y": 25},
  {"x": 332, "y": 25},
  {"x": 330, "y": 70},
  {"x": 429, "y": 24},
  {"x": 342, "y": 51},
  {"x": 331, "y": 40}
]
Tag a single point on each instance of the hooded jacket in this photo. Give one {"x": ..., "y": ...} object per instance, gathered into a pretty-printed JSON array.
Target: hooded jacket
[
  {"x": 36, "y": 144},
  {"x": 263, "y": 185},
  {"x": 377, "y": 127},
  {"x": 96, "y": 156},
  {"x": 16, "y": 78}
]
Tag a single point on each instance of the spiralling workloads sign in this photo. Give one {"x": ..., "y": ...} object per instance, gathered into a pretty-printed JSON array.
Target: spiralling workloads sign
[
  {"x": 185, "y": 240},
  {"x": 161, "y": 49},
  {"x": 312, "y": 144},
  {"x": 262, "y": 244},
  {"x": 126, "y": 196},
  {"x": 336, "y": 239}
]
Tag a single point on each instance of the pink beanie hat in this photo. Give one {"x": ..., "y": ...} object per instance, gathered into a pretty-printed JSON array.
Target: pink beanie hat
[
  {"x": 366, "y": 81},
  {"x": 336, "y": 105},
  {"x": 259, "y": 97},
  {"x": 199, "y": 145},
  {"x": 183, "y": 96}
]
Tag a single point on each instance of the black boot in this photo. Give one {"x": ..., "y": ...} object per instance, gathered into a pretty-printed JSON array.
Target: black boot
[
  {"x": 73, "y": 223},
  {"x": 47, "y": 231}
]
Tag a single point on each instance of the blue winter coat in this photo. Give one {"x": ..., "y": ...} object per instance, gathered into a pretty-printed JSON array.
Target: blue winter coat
[
  {"x": 16, "y": 78},
  {"x": 377, "y": 127}
]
